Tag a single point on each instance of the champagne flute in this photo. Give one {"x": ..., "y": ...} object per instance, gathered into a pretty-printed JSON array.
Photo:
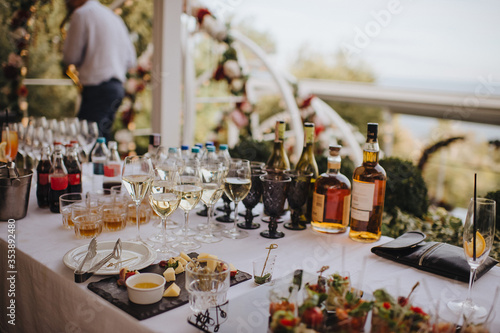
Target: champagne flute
[
  {"x": 137, "y": 175},
  {"x": 478, "y": 240},
  {"x": 212, "y": 177},
  {"x": 164, "y": 199},
  {"x": 191, "y": 192},
  {"x": 236, "y": 186}
]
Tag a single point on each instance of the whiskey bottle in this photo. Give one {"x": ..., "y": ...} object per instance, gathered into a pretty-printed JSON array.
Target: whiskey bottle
[
  {"x": 368, "y": 192},
  {"x": 331, "y": 197},
  {"x": 278, "y": 161},
  {"x": 307, "y": 165}
]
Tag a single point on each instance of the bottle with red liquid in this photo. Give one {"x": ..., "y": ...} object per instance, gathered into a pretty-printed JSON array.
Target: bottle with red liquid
[
  {"x": 42, "y": 183},
  {"x": 58, "y": 179},
  {"x": 74, "y": 169},
  {"x": 112, "y": 168}
]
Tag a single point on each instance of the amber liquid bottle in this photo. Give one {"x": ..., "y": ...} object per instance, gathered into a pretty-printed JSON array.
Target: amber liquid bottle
[
  {"x": 368, "y": 192},
  {"x": 278, "y": 161},
  {"x": 331, "y": 197},
  {"x": 307, "y": 165}
]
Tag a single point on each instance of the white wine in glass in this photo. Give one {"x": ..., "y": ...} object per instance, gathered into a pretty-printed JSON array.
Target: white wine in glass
[
  {"x": 479, "y": 232},
  {"x": 164, "y": 199},
  {"x": 137, "y": 176},
  {"x": 236, "y": 186}
]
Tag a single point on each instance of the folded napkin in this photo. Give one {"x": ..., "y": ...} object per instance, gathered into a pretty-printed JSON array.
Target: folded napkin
[{"x": 434, "y": 257}]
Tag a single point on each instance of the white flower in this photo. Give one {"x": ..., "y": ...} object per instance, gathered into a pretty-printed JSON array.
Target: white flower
[
  {"x": 19, "y": 33},
  {"x": 214, "y": 28},
  {"x": 231, "y": 69},
  {"x": 237, "y": 85}
]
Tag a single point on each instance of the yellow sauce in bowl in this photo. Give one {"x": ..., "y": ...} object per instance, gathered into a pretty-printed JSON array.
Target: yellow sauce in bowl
[{"x": 146, "y": 285}]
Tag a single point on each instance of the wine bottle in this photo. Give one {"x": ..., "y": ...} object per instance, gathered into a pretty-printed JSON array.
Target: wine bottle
[
  {"x": 278, "y": 161},
  {"x": 368, "y": 192},
  {"x": 307, "y": 165},
  {"x": 331, "y": 197}
]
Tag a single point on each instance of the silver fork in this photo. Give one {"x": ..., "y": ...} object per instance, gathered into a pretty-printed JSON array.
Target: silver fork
[{"x": 116, "y": 254}]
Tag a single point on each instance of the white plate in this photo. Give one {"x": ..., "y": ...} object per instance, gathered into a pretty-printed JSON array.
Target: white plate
[{"x": 143, "y": 257}]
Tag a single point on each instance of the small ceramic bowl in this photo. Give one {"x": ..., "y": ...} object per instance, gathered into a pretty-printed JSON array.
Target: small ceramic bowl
[{"x": 140, "y": 292}]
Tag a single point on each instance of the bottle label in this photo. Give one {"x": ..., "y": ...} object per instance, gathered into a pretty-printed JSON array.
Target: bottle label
[
  {"x": 334, "y": 165},
  {"x": 309, "y": 134},
  {"x": 280, "y": 131},
  {"x": 98, "y": 168},
  {"x": 362, "y": 195},
  {"x": 111, "y": 170},
  {"x": 318, "y": 207},
  {"x": 43, "y": 178},
  {"x": 347, "y": 205},
  {"x": 59, "y": 183},
  {"x": 360, "y": 215},
  {"x": 74, "y": 178}
]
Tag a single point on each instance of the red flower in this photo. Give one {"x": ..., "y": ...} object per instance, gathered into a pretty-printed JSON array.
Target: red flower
[
  {"x": 22, "y": 91},
  {"x": 219, "y": 73},
  {"x": 386, "y": 305},
  {"x": 418, "y": 310},
  {"x": 201, "y": 14},
  {"x": 307, "y": 102}
]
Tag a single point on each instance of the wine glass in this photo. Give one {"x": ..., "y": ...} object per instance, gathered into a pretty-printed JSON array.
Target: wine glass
[
  {"x": 274, "y": 196},
  {"x": 236, "y": 186},
  {"x": 165, "y": 171},
  {"x": 479, "y": 232},
  {"x": 297, "y": 193},
  {"x": 212, "y": 177},
  {"x": 137, "y": 176},
  {"x": 252, "y": 199},
  {"x": 164, "y": 199},
  {"x": 191, "y": 190}
]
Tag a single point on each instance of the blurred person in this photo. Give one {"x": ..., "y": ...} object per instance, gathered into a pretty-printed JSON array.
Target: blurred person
[{"x": 98, "y": 44}]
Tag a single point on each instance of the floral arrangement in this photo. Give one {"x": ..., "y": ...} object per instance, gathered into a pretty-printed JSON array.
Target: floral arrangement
[{"x": 15, "y": 69}]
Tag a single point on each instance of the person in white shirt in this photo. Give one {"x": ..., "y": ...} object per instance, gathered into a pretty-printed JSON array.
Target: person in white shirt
[{"x": 98, "y": 44}]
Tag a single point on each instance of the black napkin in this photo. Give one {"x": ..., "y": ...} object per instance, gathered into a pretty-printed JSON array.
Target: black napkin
[{"x": 434, "y": 257}]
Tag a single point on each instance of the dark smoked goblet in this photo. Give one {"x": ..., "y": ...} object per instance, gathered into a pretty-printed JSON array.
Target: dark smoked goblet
[
  {"x": 226, "y": 218},
  {"x": 297, "y": 193},
  {"x": 274, "y": 196},
  {"x": 252, "y": 199},
  {"x": 254, "y": 166}
]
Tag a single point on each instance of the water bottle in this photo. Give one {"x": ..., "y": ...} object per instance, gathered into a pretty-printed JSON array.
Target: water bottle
[
  {"x": 112, "y": 168},
  {"x": 99, "y": 157}
]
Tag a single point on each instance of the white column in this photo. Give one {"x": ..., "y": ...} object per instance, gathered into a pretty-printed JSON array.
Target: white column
[{"x": 166, "y": 74}]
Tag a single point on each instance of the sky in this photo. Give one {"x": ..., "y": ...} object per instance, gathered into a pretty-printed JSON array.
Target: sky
[{"x": 446, "y": 45}]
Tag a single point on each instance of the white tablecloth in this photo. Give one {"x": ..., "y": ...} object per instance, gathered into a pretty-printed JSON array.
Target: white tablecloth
[{"x": 47, "y": 299}]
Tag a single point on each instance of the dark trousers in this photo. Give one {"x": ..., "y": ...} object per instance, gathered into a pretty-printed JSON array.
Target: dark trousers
[{"x": 100, "y": 103}]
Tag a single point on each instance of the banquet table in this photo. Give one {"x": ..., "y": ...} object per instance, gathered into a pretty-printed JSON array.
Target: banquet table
[{"x": 46, "y": 298}]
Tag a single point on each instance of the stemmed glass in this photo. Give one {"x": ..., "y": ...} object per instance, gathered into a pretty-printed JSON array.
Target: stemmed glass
[
  {"x": 137, "y": 176},
  {"x": 478, "y": 240},
  {"x": 89, "y": 132},
  {"x": 236, "y": 186},
  {"x": 297, "y": 197},
  {"x": 191, "y": 190},
  {"x": 252, "y": 199},
  {"x": 212, "y": 177},
  {"x": 164, "y": 199},
  {"x": 9, "y": 135},
  {"x": 274, "y": 196}
]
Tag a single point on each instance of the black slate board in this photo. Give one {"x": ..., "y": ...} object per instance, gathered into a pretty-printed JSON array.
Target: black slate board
[{"x": 118, "y": 296}]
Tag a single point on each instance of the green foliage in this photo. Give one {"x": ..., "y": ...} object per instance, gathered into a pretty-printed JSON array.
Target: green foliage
[
  {"x": 405, "y": 188},
  {"x": 437, "y": 224},
  {"x": 251, "y": 150},
  {"x": 495, "y": 196}
]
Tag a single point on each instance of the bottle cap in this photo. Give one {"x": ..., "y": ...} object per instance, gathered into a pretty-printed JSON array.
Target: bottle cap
[
  {"x": 101, "y": 140},
  {"x": 211, "y": 149},
  {"x": 209, "y": 143},
  {"x": 184, "y": 147},
  {"x": 172, "y": 150},
  {"x": 335, "y": 150},
  {"x": 223, "y": 147},
  {"x": 195, "y": 149},
  {"x": 372, "y": 131},
  {"x": 155, "y": 139},
  {"x": 199, "y": 145},
  {"x": 308, "y": 124}
]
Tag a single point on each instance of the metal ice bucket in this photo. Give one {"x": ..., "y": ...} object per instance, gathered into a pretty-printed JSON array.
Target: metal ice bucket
[{"x": 14, "y": 195}]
